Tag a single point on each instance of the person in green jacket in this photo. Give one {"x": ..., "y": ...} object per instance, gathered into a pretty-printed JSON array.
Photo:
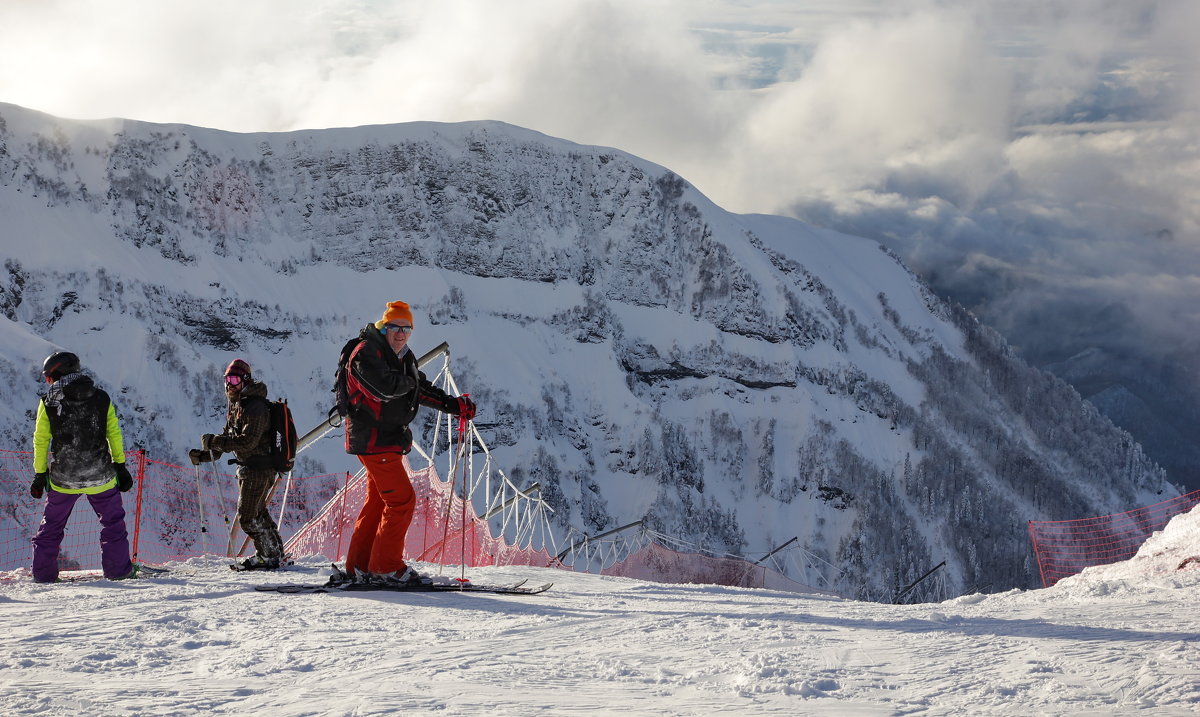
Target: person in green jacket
[{"x": 77, "y": 426}]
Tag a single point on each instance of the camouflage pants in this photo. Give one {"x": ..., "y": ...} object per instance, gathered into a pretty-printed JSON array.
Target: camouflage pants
[{"x": 255, "y": 521}]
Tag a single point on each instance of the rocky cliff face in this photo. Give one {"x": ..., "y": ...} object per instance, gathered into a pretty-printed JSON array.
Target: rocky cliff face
[{"x": 735, "y": 381}]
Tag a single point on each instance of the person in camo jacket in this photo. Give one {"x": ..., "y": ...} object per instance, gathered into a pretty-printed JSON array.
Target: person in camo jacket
[
  {"x": 77, "y": 425},
  {"x": 246, "y": 436}
]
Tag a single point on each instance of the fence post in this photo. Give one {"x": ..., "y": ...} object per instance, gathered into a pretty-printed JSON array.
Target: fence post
[
  {"x": 1037, "y": 553},
  {"x": 137, "y": 511},
  {"x": 342, "y": 518}
]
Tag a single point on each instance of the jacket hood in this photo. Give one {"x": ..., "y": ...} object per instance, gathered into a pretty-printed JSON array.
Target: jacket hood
[
  {"x": 72, "y": 387},
  {"x": 79, "y": 389},
  {"x": 253, "y": 388},
  {"x": 370, "y": 333}
]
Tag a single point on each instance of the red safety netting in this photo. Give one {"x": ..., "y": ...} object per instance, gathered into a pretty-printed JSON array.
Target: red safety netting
[
  {"x": 171, "y": 513},
  {"x": 175, "y": 513},
  {"x": 183, "y": 512},
  {"x": 445, "y": 529},
  {"x": 20, "y": 515},
  {"x": 659, "y": 564},
  {"x": 1065, "y": 547}
]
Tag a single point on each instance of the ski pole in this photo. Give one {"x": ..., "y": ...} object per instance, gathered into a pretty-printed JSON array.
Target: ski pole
[
  {"x": 221, "y": 494},
  {"x": 287, "y": 489},
  {"x": 203, "y": 523},
  {"x": 450, "y": 501},
  {"x": 462, "y": 550}
]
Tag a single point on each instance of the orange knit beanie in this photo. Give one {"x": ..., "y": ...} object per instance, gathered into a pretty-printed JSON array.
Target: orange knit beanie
[{"x": 395, "y": 310}]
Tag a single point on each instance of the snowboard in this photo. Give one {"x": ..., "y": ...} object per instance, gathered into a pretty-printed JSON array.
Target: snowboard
[{"x": 144, "y": 571}]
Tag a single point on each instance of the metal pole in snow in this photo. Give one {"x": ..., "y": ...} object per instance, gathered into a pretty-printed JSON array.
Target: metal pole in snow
[
  {"x": 1037, "y": 553},
  {"x": 137, "y": 514},
  {"x": 776, "y": 550},
  {"x": 341, "y": 529},
  {"x": 916, "y": 582}
]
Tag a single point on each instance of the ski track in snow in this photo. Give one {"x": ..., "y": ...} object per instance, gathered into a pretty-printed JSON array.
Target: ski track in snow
[{"x": 206, "y": 643}]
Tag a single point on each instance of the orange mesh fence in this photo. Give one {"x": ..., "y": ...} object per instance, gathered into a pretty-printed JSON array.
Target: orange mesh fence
[
  {"x": 175, "y": 513},
  {"x": 21, "y": 514},
  {"x": 1065, "y": 547},
  {"x": 445, "y": 529},
  {"x": 172, "y": 512},
  {"x": 328, "y": 532},
  {"x": 183, "y": 512},
  {"x": 448, "y": 531},
  {"x": 659, "y": 564}
]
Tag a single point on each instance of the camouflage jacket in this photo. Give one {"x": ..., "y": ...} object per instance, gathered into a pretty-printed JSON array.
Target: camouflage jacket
[{"x": 246, "y": 422}]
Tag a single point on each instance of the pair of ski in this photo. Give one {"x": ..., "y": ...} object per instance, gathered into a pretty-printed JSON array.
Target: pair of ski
[{"x": 517, "y": 588}]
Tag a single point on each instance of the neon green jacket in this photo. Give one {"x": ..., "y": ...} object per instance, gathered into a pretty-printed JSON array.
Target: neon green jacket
[{"x": 77, "y": 424}]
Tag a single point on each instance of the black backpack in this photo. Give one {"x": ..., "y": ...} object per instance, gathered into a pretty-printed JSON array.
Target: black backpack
[
  {"x": 281, "y": 435},
  {"x": 341, "y": 391}
]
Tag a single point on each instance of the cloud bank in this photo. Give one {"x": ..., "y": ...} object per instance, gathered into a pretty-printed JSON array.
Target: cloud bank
[{"x": 1037, "y": 160}]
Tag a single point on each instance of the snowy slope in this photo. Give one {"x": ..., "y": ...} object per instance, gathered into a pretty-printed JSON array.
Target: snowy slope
[
  {"x": 733, "y": 381},
  {"x": 1124, "y": 639}
]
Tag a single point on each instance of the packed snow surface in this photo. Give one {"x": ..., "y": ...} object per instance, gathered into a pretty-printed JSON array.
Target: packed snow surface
[{"x": 1119, "y": 639}]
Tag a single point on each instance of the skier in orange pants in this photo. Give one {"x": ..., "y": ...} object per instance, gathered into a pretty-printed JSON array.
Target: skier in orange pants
[
  {"x": 377, "y": 545},
  {"x": 379, "y": 390}
]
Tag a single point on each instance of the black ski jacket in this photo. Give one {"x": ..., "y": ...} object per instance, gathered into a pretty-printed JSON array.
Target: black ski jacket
[
  {"x": 77, "y": 423},
  {"x": 385, "y": 391}
]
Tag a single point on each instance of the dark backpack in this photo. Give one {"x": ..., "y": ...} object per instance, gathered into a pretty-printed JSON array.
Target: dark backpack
[
  {"x": 341, "y": 391},
  {"x": 281, "y": 435}
]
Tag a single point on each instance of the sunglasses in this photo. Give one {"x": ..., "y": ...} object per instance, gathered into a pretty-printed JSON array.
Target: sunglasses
[
  {"x": 234, "y": 379},
  {"x": 406, "y": 330}
]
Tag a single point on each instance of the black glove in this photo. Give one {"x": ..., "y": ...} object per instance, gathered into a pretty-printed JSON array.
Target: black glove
[
  {"x": 199, "y": 455},
  {"x": 466, "y": 408},
  {"x": 206, "y": 442},
  {"x": 38, "y": 487},
  {"x": 124, "y": 480}
]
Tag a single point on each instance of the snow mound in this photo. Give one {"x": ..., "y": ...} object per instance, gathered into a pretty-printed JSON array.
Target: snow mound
[{"x": 1172, "y": 553}]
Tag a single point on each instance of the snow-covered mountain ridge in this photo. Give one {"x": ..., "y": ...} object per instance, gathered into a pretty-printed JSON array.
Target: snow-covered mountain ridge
[{"x": 733, "y": 380}]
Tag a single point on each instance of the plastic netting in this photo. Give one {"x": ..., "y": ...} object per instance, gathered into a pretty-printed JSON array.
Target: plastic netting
[
  {"x": 445, "y": 528},
  {"x": 1065, "y": 547},
  {"x": 171, "y": 513},
  {"x": 21, "y": 514},
  {"x": 184, "y": 512}
]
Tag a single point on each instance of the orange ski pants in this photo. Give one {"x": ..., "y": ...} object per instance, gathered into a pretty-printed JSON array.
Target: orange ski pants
[{"x": 377, "y": 544}]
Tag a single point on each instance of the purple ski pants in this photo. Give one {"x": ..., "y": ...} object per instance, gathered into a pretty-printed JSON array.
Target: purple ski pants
[{"x": 114, "y": 540}]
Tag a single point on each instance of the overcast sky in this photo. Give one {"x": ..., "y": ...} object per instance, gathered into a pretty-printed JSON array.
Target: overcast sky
[{"x": 1039, "y": 159}]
